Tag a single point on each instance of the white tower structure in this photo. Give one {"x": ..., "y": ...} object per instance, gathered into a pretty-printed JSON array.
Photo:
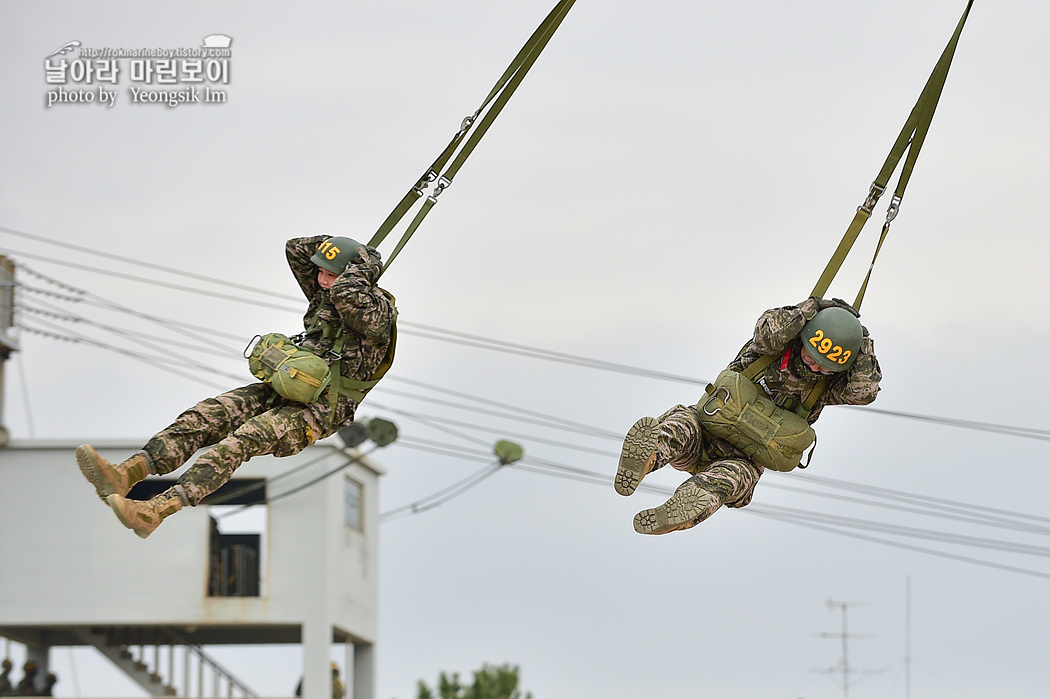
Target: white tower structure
[{"x": 73, "y": 576}]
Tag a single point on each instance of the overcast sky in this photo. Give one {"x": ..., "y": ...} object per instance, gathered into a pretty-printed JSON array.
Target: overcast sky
[{"x": 666, "y": 172}]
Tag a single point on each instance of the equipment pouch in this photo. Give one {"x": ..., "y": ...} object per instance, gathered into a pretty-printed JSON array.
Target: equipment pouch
[
  {"x": 295, "y": 373},
  {"x": 737, "y": 411}
]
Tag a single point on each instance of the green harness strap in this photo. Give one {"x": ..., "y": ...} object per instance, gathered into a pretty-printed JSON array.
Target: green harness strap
[
  {"x": 911, "y": 139},
  {"x": 498, "y": 97},
  {"x": 805, "y": 406},
  {"x": 338, "y": 384},
  {"x": 355, "y": 389}
]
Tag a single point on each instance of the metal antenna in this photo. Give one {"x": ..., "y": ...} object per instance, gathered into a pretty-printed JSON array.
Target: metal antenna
[{"x": 843, "y": 665}]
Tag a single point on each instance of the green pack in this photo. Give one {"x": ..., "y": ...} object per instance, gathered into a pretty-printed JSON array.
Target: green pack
[
  {"x": 736, "y": 410},
  {"x": 295, "y": 373}
]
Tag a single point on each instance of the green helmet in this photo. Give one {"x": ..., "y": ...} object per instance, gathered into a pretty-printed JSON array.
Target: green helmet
[
  {"x": 833, "y": 338},
  {"x": 335, "y": 253}
]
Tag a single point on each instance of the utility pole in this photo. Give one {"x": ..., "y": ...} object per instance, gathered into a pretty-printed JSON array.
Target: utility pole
[
  {"x": 8, "y": 344},
  {"x": 845, "y": 636}
]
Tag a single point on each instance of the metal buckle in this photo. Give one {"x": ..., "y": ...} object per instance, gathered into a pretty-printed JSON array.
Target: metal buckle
[
  {"x": 873, "y": 198},
  {"x": 442, "y": 183},
  {"x": 467, "y": 122},
  {"x": 424, "y": 182},
  {"x": 335, "y": 357},
  {"x": 713, "y": 397},
  {"x": 251, "y": 346},
  {"x": 894, "y": 207}
]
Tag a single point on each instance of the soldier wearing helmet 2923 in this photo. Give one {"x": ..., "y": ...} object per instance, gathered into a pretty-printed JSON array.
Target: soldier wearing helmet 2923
[
  {"x": 806, "y": 356},
  {"x": 350, "y": 323}
]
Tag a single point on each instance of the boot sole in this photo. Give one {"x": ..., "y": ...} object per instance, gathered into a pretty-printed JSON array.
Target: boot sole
[
  {"x": 679, "y": 512},
  {"x": 638, "y": 455},
  {"x": 88, "y": 467}
]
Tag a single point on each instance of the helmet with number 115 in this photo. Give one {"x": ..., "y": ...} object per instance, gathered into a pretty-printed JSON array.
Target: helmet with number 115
[
  {"x": 335, "y": 253},
  {"x": 832, "y": 338}
]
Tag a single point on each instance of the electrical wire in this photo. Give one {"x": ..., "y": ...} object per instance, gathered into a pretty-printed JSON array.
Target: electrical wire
[
  {"x": 313, "y": 481},
  {"x": 431, "y": 332},
  {"x": 888, "y": 492},
  {"x": 549, "y": 468},
  {"x": 984, "y": 520},
  {"x": 966, "y": 559},
  {"x": 579, "y": 427},
  {"x": 160, "y": 346},
  {"x": 444, "y": 495},
  {"x": 824, "y": 522},
  {"x": 125, "y": 332},
  {"x": 151, "y": 361},
  {"x": 153, "y": 282},
  {"x": 434, "y": 420},
  {"x": 1010, "y": 430},
  {"x": 140, "y": 263},
  {"x": 972, "y": 518},
  {"x": 235, "y": 493}
]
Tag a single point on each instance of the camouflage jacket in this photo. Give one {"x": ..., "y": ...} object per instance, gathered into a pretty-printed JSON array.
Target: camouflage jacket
[
  {"x": 787, "y": 379},
  {"x": 365, "y": 311}
]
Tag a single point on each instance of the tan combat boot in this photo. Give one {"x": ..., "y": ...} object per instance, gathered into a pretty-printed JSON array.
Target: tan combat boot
[
  {"x": 690, "y": 504},
  {"x": 638, "y": 456},
  {"x": 111, "y": 478},
  {"x": 144, "y": 516}
]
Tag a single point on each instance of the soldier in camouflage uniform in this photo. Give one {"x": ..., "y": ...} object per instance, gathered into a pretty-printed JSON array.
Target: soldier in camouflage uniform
[
  {"x": 721, "y": 474},
  {"x": 338, "y": 277}
]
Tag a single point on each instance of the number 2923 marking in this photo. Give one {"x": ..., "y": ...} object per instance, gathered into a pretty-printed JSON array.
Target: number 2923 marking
[{"x": 825, "y": 346}]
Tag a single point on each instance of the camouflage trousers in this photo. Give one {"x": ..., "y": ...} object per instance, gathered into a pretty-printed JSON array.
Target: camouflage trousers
[
  {"x": 731, "y": 481},
  {"x": 235, "y": 426}
]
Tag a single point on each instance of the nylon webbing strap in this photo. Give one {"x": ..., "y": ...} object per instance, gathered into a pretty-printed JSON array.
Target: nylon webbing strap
[
  {"x": 491, "y": 106},
  {"x": 910, "y": 139},
  {"x": 805, "y": 406},
  {"x": 356, "y": 389}
]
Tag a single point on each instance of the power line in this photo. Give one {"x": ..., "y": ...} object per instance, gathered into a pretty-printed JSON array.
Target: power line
[
  {"x": 537, "y": 353},
  {"x": 550, "y": 468},
  {"x": 160, "y": 345},
  {"x": 140, "y": 263},
  {"x": 444, "y": 495},
  {"x": 763, "y": 512},
  {"x": 896, "y": 494},
  {"x": 235, "y": 493},
  {"x": 512, "y": 414},
  {"x": 146, "y": 280},
  {"x": 913, "y": 532},
  {"x": 972, "y": 518},
  {"x": 888, "y": 492},
  {"x": 433, "y": 420},
  {"x": 823, "y": 522},
  {"x": 1013, "y": 431},
  {"x": 152, "y": 361},
  {"x": 965, "y": 516},
  {"x": 548, "y": 422},
  {"x": 110, "y": 305},
  {"x": 430, "y": 332}
]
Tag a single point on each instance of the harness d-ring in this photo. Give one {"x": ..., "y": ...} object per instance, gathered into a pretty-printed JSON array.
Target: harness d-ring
[{"x": 713, "y": 397}]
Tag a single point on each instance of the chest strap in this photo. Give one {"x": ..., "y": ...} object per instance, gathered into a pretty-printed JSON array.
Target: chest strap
[{"x": 805, "y": 406}]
